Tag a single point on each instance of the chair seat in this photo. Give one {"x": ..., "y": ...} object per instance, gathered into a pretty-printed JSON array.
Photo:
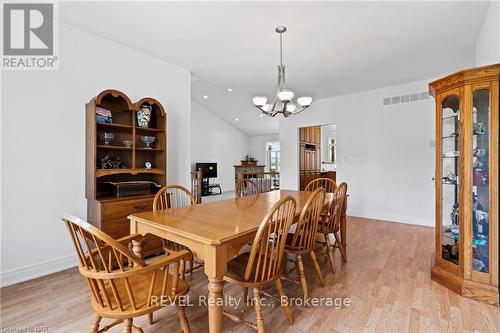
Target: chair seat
[
  {"x": 140, "y": 283},
  {"x": 236, "y": 268}
]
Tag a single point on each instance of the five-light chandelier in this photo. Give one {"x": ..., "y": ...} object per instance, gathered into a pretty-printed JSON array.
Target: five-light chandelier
[{"x": 283, "y": 99}]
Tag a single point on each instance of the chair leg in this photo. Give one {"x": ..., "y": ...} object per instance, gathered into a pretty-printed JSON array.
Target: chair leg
[
  {"x": 245, "y": 295},
  {"x": 341, "y": 246},
  {"x": 95, "y": 324},
  {"x": 284, "y": 302},
  {"x": 316, "y": 266},
  {"x": 128, "y": 326},
  {"x": 150, "y": 318},
  {"x": 182, "y": 317},
  {"x": 330, "y": 249},
  {"x": 258, "y": 310},
  {"x": 302, "y": 275}
]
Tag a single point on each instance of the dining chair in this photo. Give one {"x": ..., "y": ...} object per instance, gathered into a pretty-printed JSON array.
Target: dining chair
[
  {"x": 330, "y": 224},
  {"x": 327, "y": 183},
  {"x": 262, "y": 265},
  {"x": 174, "y": 196},
  {"x": 246, "y": 187},
  {"x": 122, "y": 285},
  {"x": 302, "y": 240}
]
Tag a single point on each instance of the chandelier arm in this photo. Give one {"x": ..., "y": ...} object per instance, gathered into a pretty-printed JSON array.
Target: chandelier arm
[{"x": 300, "y": 110}]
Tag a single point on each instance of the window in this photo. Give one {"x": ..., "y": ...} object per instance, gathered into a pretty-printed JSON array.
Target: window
[
  {"x": 273, "y": 156},
  {"x": 332, "y": 150}
]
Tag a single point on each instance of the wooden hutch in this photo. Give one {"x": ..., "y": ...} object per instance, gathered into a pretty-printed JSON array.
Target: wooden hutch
[
  {"x": 466, "y": 180},
  {"x": 106, "y": 209},
  {"x": 309, "y": 154}
]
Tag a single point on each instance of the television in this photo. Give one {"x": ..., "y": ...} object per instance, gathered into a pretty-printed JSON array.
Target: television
[{"x": 208, "y": 170}]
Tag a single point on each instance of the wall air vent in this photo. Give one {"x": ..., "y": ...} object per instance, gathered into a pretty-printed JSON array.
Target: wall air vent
[{"x": 409, "y": 98}]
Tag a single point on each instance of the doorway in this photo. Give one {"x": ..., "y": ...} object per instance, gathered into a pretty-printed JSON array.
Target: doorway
[{"x": 317, "y": 153}]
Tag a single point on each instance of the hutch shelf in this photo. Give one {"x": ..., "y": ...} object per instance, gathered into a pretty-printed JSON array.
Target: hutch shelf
[
  {"x": 466, "y": 181},
  {"x": 138, "y": 161}
]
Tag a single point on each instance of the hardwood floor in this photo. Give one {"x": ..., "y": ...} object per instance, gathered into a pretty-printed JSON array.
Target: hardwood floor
[{"x": 387, "y": 280}]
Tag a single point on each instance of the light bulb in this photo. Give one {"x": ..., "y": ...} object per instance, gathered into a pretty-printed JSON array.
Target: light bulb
[
  {"x": 304, "y": 100},
  {"x": 286, "y": 95},
  {"x": 259, "y": 100},
  {"x": 290, "y": 107},
  {"x": 266, "y": 107}
]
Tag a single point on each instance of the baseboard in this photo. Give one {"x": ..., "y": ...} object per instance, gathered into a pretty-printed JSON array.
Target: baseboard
[
  {"x": 393, "y": 218},
  {"x": 34, "y": 271}
]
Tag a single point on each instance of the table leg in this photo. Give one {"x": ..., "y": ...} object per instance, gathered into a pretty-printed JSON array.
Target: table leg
[{"x": 215, "y": 286}]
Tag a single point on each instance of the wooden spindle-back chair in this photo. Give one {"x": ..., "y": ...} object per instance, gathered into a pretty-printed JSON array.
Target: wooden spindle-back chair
[
  {"x": 330, "y": 224},
  {"x": 175, "y": 196},
  {"x": 303, "y": 239},
  {"x": 327, "y": 183},
  {"x": 246, "y": 187},
  {"x": 262, "y": 265},
  {"x": 122, "y": 285}
]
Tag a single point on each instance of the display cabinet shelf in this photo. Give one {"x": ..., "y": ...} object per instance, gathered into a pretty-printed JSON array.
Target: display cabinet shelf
[{"x": 467, "y": 232}]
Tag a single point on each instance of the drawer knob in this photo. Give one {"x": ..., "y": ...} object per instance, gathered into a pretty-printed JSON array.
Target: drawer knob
[{"x": 141, "y": 207}]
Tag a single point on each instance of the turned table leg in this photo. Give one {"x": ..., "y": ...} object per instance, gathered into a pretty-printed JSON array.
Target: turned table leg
[{"x": 215, "y": 302}]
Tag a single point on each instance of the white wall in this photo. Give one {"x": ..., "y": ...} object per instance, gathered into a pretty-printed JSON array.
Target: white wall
[
  {"x": 488, "y": 42},
  {"x": 257, "y": 146},
  {"x": 385, "y": 154},
  {"x": 215, "y": 140},
  {"x": 43, "y": 142}
]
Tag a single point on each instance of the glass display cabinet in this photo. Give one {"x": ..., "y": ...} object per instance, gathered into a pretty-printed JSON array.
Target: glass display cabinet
[{"x": 466, "y": 180}]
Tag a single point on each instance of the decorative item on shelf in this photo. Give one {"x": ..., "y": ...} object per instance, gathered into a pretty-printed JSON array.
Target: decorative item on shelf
[
  {"x": 148, "y": 140},
  {"x": 479, "y": 165},
  {"x": 148, "y": 165},
  {"x": 451, "y": 178},
  {"x": 107, "y": 137},
  {"x": 455, "y": 134},
  {"x": 283, "y": 97},
  {"x": 144, "y": 116},
  {"x": 127, "y": 143},
  {"x": 479, "y": 152},
  {"x": 480, "y": 177},
  {"x": 455, "y": 216},
  {"x": 479, "y": 129},
  {"x": 249, "y": 161},
  {"x": 453, "y": 153},
  {"x": 112, "y": 162},
  {"x": 103, "y": 116}
]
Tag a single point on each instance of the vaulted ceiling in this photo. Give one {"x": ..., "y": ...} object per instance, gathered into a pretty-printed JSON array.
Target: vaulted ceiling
[{"x": 330, "y": 48}]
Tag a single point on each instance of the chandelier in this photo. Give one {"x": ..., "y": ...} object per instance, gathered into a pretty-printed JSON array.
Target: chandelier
[{"x": 283, "y": 99}]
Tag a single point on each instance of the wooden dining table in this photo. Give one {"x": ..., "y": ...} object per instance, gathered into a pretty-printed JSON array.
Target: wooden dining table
[{"x": 214, "y": 232}]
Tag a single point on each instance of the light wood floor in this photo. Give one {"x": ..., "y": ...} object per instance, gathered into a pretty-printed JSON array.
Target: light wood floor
[{"x": 387, "y": 279}]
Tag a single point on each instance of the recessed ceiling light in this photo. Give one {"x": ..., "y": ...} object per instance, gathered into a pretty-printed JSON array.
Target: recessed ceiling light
[
  {"x": 205, "y": 96},
  {"x": 229, "y": 89},
  {"x": 261, "y": 115},
  {"x": 236, "y": 119}
]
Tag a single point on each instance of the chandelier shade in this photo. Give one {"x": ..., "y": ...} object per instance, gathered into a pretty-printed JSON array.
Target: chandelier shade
[{"x": 283, "y": 98}]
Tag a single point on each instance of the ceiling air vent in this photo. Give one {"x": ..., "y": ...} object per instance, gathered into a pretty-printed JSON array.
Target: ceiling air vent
[{"x": 413, "y": 97}]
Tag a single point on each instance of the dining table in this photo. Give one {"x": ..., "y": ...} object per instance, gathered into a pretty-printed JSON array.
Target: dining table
[{"x": 215, "y": 232}]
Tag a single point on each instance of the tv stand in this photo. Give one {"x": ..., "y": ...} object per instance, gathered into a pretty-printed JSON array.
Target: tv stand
[{"x": 208, "y": 189}]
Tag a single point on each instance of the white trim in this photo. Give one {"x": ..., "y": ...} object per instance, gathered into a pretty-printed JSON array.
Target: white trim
[
  {"x": 33, "y": 271},
  {"x": 386, "y": 217}
]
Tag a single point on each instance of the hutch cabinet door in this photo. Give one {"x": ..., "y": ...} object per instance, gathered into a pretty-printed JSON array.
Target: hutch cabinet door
[
  {"x": 448, "y": 177},
  {"x": 482, "y": 153}
]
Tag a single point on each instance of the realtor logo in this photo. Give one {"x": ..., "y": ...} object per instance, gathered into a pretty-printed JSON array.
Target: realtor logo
[{"x": 28, "y": 36}]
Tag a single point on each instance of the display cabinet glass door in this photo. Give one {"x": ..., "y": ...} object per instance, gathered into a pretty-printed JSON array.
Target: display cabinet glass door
[
  {"x": 480, "y": 180},
  {"x": 450, "y": 201}
]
